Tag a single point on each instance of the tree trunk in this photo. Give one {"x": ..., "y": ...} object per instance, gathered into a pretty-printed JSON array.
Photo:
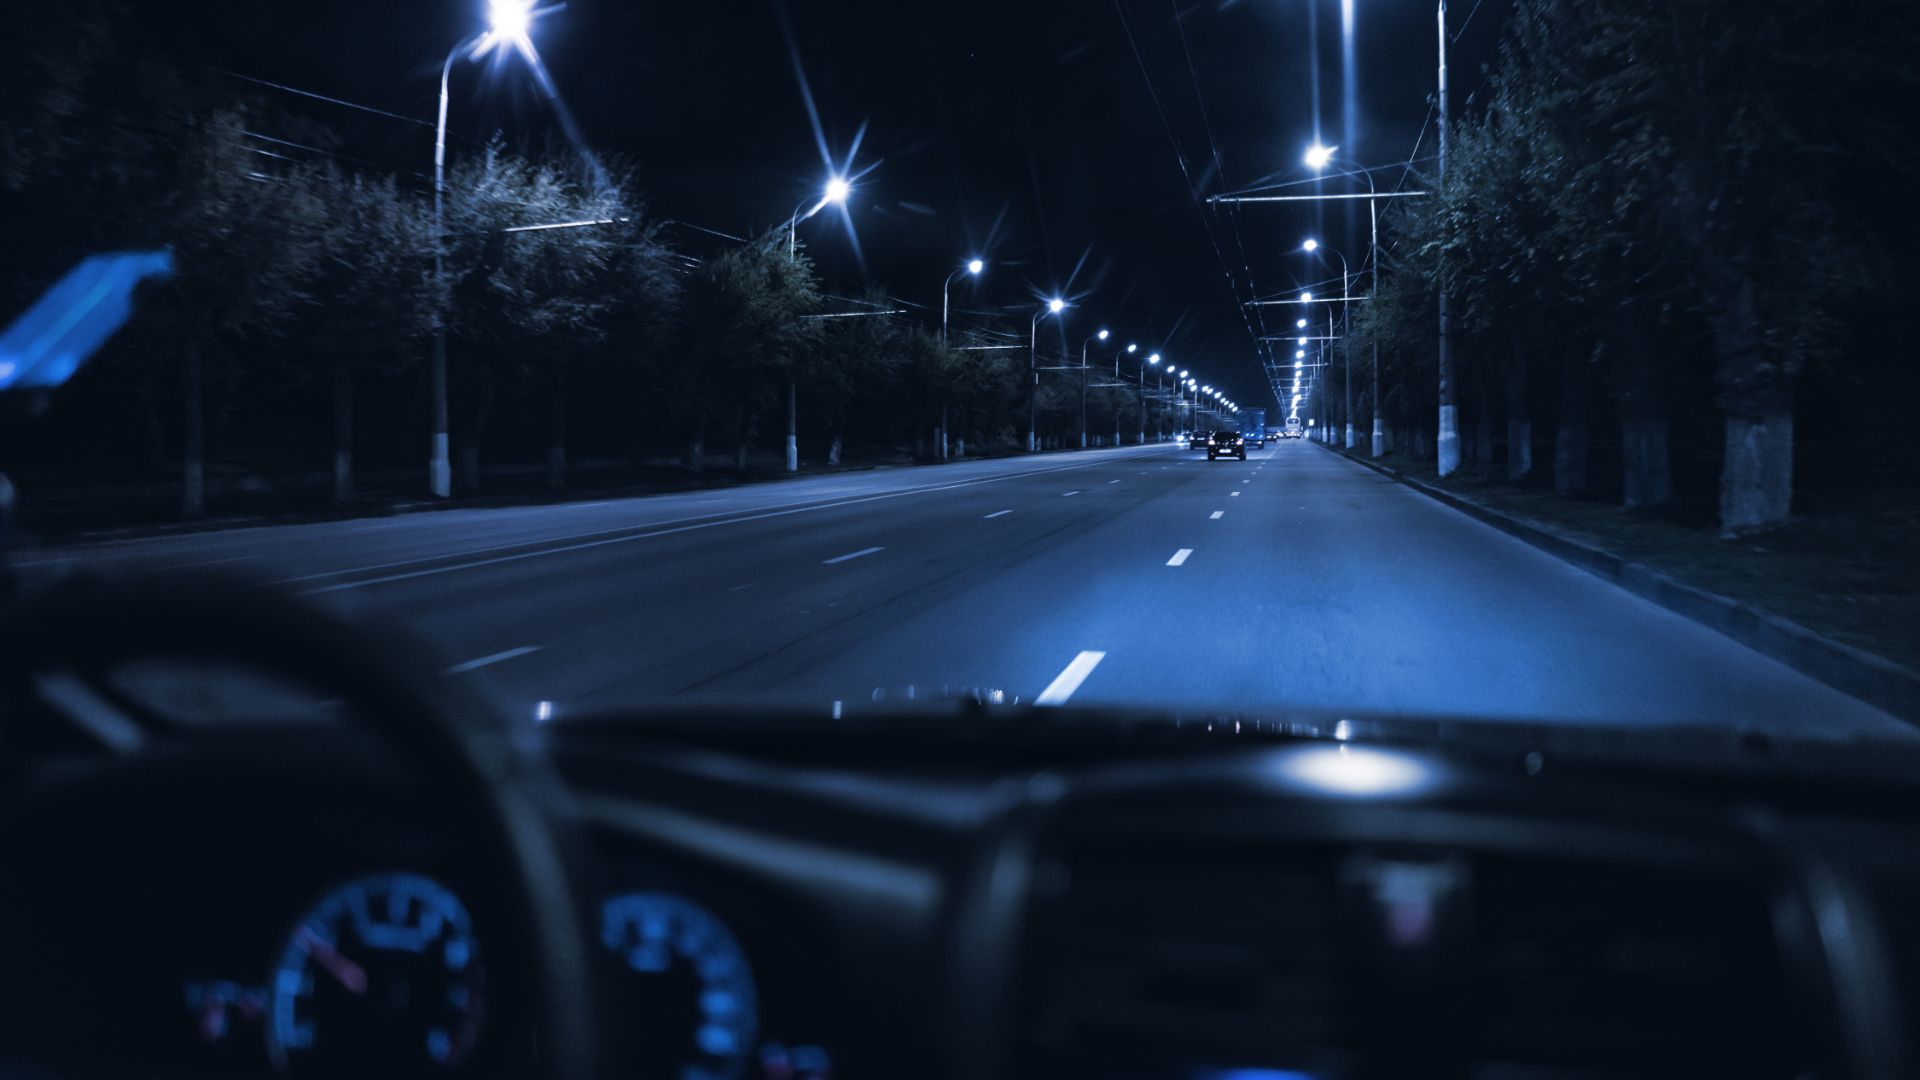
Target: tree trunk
[
  {"x": 557, "y": 427},
  {"x": 1756, "y": 481},
  {"x": 342, "y": 433},
  {"x": 1756, "y": 387},
  {"x": 193, "y": 439},
  {"x": 1483, "y": 422},
  {"x": 1570, "y": 436},
  {"x": 1519, "y": 425},
  {"x": 1646, "y": 463},
  {"x": 1641, "y": 386},
  {"x": 833, "y": 449},
  {"x": 482, "y": 410},
  {"x": 696, "y": 460}
]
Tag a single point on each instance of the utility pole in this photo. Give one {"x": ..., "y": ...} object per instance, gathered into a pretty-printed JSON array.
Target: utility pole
[{"x": 1448, "y": 444}]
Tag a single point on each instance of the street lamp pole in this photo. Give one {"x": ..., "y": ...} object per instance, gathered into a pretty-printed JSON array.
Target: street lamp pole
[
  {"x": 1101, "y": 336},
  {"x": 1053, "y": 307},
  {"x": 974, "y": 266},
  {"x": 439, "y": 465},
  {"x": 1447, "y": 446}
]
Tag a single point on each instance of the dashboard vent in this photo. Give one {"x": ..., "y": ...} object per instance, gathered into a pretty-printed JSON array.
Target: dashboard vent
[
  {"x": 1186, "y": 952},
  {"x": 1657, "y": 972},
  {"x": 1154, "y": 961}
]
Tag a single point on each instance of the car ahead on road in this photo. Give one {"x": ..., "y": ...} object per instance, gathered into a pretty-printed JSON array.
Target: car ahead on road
[
  {"x": 1198, "y": 440},
  {"x": 289, "y": 846},
  {"x": 1226, "y": 444}
]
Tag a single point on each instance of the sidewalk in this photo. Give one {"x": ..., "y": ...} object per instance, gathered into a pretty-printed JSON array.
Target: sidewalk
[{"x": 1835, "y": 594}]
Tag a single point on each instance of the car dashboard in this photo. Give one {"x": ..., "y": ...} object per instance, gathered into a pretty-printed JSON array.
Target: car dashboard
[{"x": 1192, "y": 900}]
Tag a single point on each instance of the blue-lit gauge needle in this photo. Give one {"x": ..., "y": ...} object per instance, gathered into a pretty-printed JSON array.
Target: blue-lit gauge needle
[{"x": 345, "y": 972}]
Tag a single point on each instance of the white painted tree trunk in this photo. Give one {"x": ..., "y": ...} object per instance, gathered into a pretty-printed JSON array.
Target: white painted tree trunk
[{"x": 1756, "y": 481}]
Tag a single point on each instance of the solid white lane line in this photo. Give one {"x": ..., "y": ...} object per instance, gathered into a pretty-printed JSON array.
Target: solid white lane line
[
  {"x": 1217, "y": 515},
  {"x": 998, "y": 513},
  {"x": 1069, "y": 680},
  {"x": 1179, "y": 557},
  {"x": 850, "y": 555},
  {"x": 491, "y": 658}
]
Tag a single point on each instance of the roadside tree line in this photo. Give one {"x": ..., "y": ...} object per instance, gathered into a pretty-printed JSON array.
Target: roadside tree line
[
  {"x": 1652, "y": 209},
  {"x": 305, "y": 281}
]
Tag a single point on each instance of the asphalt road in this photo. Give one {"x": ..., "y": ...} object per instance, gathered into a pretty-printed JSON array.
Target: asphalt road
[{"x": 1138, "y": 576}]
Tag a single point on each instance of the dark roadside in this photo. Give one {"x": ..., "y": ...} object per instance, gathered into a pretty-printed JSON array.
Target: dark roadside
[{"x": 51, "y": 510}]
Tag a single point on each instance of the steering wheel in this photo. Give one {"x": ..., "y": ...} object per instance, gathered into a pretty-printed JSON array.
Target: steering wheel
[{"x": 498, "y": 788}]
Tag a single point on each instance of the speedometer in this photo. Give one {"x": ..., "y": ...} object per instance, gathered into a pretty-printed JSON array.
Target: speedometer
[
  {"x": 697, "y": 1014},
  {"x": 383, "y": 975}
]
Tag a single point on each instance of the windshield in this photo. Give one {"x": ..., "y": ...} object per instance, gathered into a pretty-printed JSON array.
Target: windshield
[{"x": 835, "y": 355}]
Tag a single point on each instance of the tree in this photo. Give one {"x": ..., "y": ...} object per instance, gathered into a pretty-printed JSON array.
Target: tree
[
  {"x": 743, "y": 333},
  {"x": 246, "y": 251},
  {"x": 373, "y": 297},
  {"x": 531, "y": 299}
]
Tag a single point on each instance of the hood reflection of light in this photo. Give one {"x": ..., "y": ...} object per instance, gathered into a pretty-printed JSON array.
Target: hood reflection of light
[{"x": 1356, "y": 770}]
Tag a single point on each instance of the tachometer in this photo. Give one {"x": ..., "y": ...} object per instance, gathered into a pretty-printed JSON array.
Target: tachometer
[
  {"x": 383, "y": 975},
  {"x": 698, "y": 1016}
]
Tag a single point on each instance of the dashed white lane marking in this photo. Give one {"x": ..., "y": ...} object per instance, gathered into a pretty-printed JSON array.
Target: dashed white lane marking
[
  {"x": 492, "y": 658},
  {"x": 1069, "y": 680},
  {"x": 1217, "y": 515},
  {"x": 998, "y": 513},
  {"x": 1064, "y": 494},
  {"x": 1179, "y": 557},
  {"x": 1113, "y": 481},
  {"x": 850, "y": 555},
  {"x": 1235, "y": 493}
]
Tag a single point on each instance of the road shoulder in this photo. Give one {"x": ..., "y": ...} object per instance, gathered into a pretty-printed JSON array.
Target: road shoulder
[{"x": 1864, "y": 675}]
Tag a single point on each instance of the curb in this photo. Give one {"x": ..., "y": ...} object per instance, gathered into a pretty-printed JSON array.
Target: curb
[
  {"x": 1873, "y": 679},
  {"x": 422, "y": 505}
]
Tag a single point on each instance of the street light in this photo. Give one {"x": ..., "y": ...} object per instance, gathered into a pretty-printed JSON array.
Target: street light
[
  {"x": 835, "y": 194},
  {"x": 974, "y": 266},
  {"x": 508, "y": 24},
  {"x": 1054, "y": 307},
  {"x": 1151, "y": 361},
  {"x": 1101, "y": 336},
  {"x": 1318, "y": 157},
  {"x": 1306, "y": 298},
  {"x": 1301, "y": 324}
]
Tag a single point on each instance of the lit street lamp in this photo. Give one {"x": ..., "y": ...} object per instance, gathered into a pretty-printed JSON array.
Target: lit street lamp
[
  {"x": 1318, "y": 157},
  {"x": 973, "y": 267},
  {"x": 508, "y": 24},
  {"x": 835, "y": 194},
  {"x": 1101, "y": 336},
  {"x": 1346, "y": 294},
  {"x": 1054, "y": 307}
]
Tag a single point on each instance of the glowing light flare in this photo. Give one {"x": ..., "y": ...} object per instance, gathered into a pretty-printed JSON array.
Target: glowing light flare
[
  {"x": 1102, "y": 335},
  {"x": 1306, "y": 298},
  {"x": 837, "y": 191},
  {"x": 510, "y": 26},
  {"x": 1310, "y": 245},
  {"x": 1318, "y": 156},
  {"x": 1056, "y": 305},
  {"x": 1302, "y": 324},
  {"x": 1358, "y": 771},
  {"x": 976, "y": 266}
]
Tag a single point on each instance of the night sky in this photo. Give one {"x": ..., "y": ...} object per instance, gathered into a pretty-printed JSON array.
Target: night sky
[{"x": 1027, "y": 133}]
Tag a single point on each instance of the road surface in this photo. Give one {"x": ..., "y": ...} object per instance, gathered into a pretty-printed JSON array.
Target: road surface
[{"x": 1138, "y": 576}]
